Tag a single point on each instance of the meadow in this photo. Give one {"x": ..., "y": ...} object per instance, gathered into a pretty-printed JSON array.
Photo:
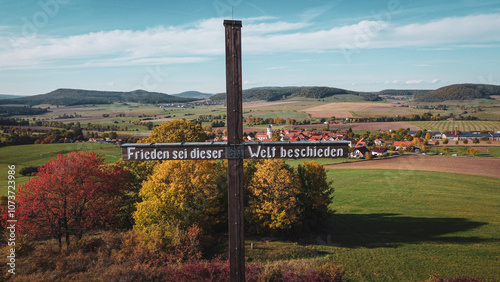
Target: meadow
[
  {"x": 37, "y": 155},
  {"x": 404, "y": 226}
]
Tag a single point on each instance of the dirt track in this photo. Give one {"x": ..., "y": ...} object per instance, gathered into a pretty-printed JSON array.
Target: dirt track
[{"x": 466, "y": 165}]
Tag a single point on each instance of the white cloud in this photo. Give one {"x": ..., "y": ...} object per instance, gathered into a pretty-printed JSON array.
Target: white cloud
[
  {"x": 203, "y": 40},
  {"x": 476, "y": 28},
  {"x": 414, "y": 81},
  {"x": 247, "y": 82},
  {"x": 436, "y": 80}
]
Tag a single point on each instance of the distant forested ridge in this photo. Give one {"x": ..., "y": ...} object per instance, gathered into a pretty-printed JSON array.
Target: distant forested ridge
[
  {"x": 7, "y": 96},
  {"x": 283, "y": 93},
  {"x": 194, "y": 95},
  {"x": 20, "y": 111},
  {"x": 71, "y": 97},
  {"x": 402, "y": 92},
  {"x": 459, "y": 92}
]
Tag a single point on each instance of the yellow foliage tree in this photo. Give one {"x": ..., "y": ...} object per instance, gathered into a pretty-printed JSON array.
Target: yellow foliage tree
[
  {"x": 179, "y": 194},
  {"x": 176, "y": 131},
  {"x": 273, "y": 192}
]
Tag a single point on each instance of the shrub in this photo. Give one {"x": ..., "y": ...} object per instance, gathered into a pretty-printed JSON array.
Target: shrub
[
  {"x": 465, "y": 141},
  {"x": 28, "y": 170}
]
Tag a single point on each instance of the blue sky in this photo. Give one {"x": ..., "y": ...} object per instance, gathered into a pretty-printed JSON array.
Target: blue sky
[{"x": 175, "y": 46}]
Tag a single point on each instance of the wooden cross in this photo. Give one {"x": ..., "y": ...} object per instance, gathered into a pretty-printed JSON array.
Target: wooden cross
[{"x": 235, "y": 150}]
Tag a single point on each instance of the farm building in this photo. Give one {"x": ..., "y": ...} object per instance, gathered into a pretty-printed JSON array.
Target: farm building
[{"x": 359, "y": 153}]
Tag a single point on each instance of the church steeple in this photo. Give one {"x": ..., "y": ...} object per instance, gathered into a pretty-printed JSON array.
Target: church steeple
[{"x": 269, "y": 132}]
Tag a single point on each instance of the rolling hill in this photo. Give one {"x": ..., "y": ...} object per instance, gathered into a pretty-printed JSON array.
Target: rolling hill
[
  {"x": 282, "y": 93},
  {"x": 193, "y": 95},
  {"x": 71, "y": 97},
  {"x": 459, "y": 92},
  {"x": 6, "y": 96}
]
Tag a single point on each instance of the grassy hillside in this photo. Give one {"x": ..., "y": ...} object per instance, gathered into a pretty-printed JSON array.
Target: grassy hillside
[
  {"x": 37, "y": 155},
  {"x": 69, "y": 97},
  {"x": 459, "y": 92},
  {"x": 391, "y": 227}
]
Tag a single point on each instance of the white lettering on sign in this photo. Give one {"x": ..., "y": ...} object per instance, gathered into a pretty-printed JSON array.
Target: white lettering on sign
[
  {"x": 134, "y": 153},
  {"x": 216, "y": 153},
  {"x": 305, "y": 152},
  {"x": 269, "y": 152}
]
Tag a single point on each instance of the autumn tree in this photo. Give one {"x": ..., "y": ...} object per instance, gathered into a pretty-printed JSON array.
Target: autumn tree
[
  {"x": 272, "y": 203},
  {"x": 180, "y": 194},
  {"x": 315, "y": 195},
  {"x": 472, "y": 151},
  {"x": 424, "y": 148},
  {"x": 168, "y": 132},
  {"x": 446, "y": 150},
  {"x": 176, "y": 131},
  {"x": 71, "y": 195}
]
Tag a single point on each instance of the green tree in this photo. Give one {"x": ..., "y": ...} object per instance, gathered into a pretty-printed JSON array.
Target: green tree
[
  {"x": 315, "y": 194},
  {"x": 446, "y": 150}
]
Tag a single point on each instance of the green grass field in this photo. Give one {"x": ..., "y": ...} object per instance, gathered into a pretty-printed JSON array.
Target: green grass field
[
  {"x": 395, "y": 225},
  {"x": 37, "y": 155}
]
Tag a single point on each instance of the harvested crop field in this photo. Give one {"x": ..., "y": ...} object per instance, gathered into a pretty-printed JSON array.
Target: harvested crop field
[
  {"x": 369, "y": 126},
  {"x": 348, "y": 109},
  {"x": 266, "y": 104},
  {"x": 464, "y": 165}
]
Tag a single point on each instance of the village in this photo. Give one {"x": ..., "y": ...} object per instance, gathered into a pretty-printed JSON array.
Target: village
[{"x": 414, "y": 141}]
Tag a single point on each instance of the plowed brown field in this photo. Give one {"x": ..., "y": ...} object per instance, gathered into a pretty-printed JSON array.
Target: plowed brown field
[{"x": 465, "y": 165}]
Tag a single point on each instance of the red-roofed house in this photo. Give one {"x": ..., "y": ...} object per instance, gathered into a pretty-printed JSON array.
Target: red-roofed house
[
  {"x": 361, "y": 143},
  {"x": 377, "y": 151},
  {"x": 401, "y": 144},
  {"x": 260, "y": 136}
]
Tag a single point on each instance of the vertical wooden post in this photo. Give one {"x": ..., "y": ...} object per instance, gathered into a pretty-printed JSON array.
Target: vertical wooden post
[{"x": 235, "y": 150}]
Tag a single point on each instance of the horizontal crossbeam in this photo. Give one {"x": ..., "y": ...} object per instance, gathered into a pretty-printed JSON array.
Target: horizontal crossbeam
[{"x": 221, "y": 150}]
